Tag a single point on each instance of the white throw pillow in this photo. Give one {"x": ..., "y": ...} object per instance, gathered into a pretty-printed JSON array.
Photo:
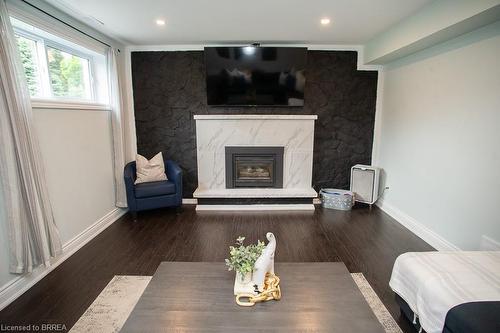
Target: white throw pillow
[{"x": 150, "y": 171}]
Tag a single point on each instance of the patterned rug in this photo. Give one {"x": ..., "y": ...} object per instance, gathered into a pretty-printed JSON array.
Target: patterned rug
[
  {"x": 378, "y": 308},
  {"x": 111, "y": 308}
]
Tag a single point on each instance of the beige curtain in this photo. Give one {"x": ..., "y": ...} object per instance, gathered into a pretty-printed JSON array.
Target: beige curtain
[
  {"x": 116, "y": 122},
  {"x": 33, "y": 235}
]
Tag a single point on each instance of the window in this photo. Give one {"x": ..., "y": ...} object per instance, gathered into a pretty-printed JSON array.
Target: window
[
  {"x": 57, "y": 69},
  {"x": 69, "y": 74},
  {"x": 28, "y": 52}
]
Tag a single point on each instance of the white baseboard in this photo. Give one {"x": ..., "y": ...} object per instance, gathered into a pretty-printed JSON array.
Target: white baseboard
[
  {"x": 19, "y": 285},
  {"x": 308, "y": 207},
  {"x": 429, "y": 236},
  {"x": 189, "y": 201},
  {"x": 488, "y": 244}
]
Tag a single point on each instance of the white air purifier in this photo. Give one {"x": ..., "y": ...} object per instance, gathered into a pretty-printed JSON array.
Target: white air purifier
[{"x": 364, "y": 183}]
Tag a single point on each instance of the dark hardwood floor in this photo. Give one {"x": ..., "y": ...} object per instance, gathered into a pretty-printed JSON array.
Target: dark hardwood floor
[{"x": 366, "y": 240}]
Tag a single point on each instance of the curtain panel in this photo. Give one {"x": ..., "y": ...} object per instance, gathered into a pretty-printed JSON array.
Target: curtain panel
[
  {"x": 117, "y": 127},
  {"x": 33, "y": 235}
]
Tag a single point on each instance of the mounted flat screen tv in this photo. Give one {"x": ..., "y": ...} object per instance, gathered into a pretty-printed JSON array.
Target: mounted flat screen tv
[{"x": 249, "y": 76}]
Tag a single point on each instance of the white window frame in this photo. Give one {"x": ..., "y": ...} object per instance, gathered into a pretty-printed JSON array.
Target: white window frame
[
  {"x": 44, "y": 75},
  {"x": 67, "y": 49},
  {"x": 54, "y": 28}
]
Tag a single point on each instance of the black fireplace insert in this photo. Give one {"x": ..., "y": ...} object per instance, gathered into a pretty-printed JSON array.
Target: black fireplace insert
[{"x": 254, "y": 167}]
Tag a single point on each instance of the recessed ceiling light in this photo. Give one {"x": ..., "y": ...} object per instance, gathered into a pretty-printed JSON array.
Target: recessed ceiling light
[
  {"x": 325, "y": 21},
  {"x": 160, "y": 22}
]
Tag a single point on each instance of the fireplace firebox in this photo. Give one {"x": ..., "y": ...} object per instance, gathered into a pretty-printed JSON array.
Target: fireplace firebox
[{"x": 254, "y": 167}]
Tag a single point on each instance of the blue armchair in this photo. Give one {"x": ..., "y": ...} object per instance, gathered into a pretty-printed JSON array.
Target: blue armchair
[{"x": 145, "y": 196}]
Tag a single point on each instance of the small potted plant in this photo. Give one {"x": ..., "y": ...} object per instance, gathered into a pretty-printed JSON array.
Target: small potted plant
[{"x": 242, "y": 259}]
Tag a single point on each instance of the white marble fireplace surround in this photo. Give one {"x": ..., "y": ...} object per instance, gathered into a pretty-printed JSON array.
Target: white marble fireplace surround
[{"x": 293, "y": 132}]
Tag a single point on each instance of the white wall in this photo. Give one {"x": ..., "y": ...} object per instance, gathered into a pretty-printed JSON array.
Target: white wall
[
  {"x": 438, "y": 140},
  {"x": 78, "y": 159},
  {"x": 438, "y": 21}
]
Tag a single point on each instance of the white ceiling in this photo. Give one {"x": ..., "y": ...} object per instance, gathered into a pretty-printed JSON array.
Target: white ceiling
[{"x": 238, "y": 21}]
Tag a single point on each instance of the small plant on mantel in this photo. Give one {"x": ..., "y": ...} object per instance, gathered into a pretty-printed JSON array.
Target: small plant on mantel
[{"x": 242, "y": 258}]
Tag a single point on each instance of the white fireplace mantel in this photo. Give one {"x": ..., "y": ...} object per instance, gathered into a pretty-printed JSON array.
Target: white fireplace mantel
[{"x": 293, "y": 132}]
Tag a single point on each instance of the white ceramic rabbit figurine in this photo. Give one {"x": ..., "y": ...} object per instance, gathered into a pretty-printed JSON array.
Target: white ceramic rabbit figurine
[{"x": 264, "y": 264}]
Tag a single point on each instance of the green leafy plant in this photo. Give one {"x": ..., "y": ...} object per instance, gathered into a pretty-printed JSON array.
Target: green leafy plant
[
  {"x": 242, "y": 258},
  {"x": 27, "y": 48}
]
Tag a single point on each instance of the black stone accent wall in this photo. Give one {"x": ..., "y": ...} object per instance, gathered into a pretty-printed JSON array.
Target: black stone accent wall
[{"x": 169, "y": 89}]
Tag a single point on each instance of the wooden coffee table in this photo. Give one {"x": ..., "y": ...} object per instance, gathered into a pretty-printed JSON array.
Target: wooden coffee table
[{"x": 198, "y": 297}]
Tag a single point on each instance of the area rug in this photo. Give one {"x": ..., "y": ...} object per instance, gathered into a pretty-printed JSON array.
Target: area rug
[
  {"x": 378, "y": 308},
  {"x": 111, "y": 308}
]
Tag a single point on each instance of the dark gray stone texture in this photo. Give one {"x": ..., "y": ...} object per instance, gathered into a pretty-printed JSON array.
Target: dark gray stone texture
[{"x": 169, "y": 88}]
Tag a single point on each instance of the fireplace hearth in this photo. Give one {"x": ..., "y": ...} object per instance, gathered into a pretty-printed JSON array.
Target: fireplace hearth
[
  {"x": 253, "y": 167},
  {"x": 254, "y": 162}
]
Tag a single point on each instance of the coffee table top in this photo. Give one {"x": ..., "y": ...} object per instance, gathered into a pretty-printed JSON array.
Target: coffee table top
[{"x": 198, "y": 297}]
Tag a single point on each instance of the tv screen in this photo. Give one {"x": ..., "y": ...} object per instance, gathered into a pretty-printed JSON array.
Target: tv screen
[{"x": 255, "y": 75}]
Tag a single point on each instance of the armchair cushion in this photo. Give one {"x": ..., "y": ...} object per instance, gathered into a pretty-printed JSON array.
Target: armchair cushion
[{"x": 153, "y": 189}]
